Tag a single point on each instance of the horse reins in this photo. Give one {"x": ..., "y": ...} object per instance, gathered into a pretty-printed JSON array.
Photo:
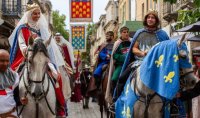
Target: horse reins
[
  {"x": 44, "y": 93},
  {"x": 147, "y": 98},
  {"x": 183, "y": 83}
]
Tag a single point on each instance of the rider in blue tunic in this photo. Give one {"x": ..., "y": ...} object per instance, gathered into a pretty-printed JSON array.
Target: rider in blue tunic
[{"x": 103, "y": 57}]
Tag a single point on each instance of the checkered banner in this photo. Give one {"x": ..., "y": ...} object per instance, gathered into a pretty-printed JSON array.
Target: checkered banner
[
  {"x": 81, "y": 10},
  {"x": 78, "y": 37}
]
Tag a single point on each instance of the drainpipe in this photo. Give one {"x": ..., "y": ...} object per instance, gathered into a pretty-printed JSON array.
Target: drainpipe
[{"x": 129, "y": 10}]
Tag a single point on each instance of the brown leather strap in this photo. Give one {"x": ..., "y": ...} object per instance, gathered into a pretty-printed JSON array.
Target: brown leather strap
[{"x": 8, "y": 114}]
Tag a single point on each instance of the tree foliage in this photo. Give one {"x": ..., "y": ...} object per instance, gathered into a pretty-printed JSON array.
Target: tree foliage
[
  {"x": 85, "y": 55},
  {"x": 196, "y": 2},
  {"x": 59, "y": 24},
  {"x": 187, "y": 17}
]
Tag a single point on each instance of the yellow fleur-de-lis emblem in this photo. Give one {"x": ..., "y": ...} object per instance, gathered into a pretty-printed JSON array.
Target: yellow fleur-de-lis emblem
[
  {"x": 169, "y": 77},
  {"x": 124, "y": 111},
  {"x": 159, "y": 61},
  {"x": 176, "y": 58},
  {"x": 128, "y": 112},
  {"x": 127, "y": 88}
]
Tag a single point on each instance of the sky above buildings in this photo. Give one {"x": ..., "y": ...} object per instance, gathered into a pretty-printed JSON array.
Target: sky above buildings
[{"x": 63, "y": 7}]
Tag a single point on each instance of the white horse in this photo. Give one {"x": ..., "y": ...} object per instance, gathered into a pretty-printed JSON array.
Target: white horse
[
  {"x": 150, "y": 104},
  {"x": 36, "y": 84}
]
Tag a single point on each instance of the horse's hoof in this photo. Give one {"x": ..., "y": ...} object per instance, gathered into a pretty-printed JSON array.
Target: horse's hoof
[{"x": 84, "y": 107}]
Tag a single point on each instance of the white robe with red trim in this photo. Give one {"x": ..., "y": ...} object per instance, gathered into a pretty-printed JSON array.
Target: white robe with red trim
[{"x": 7, "y": 102}]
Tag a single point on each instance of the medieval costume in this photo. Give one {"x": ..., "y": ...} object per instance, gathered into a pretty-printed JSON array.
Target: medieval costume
[
  {"x": 76, "y": 93},
  {"x": 9, "y": 80},
  {"x": 118, "y": 55},
  {"x": 66, "y": 70},
  {"x": 25, "y": 28},
  {"x": 85, "y": 80},
  {"x": 154, "y": 76},
  {"x": 19, "y": 39},
  {"x": 102, "y": 62},
  {"x": 147, "y": 39}
]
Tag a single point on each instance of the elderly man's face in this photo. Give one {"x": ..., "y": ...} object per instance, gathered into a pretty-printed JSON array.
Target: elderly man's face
[
  {"x": 4, "y": 60},
  {"x": 57, "y": 39}
]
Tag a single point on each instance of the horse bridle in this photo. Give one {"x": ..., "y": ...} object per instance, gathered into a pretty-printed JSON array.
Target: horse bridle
[
  {"x": 182, "y": 80},
  {"x": 147, "y": 97},
  {"x": 44, "y": 93}
]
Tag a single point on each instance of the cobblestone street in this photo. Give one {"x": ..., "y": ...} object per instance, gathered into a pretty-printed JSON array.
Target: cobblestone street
[{"x": 76, "y": 110}]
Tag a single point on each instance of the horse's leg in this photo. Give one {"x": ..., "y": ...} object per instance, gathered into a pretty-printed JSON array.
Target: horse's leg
[
  {"x": 83, "y": 102},
  {"x": 108, "y": 113},
  {"x": 101, "y": 99},
  {"x": 87, "y": 101},
  {"x": 139, "y": 109}
]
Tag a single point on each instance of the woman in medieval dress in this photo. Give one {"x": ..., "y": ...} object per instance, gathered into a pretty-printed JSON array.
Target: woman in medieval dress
[{"x": 34, "y": 24}]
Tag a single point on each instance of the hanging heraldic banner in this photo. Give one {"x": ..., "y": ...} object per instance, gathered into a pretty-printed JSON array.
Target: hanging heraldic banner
[
  {"x": 78, "y": 37},
  {"x": 81, "y": 10}
]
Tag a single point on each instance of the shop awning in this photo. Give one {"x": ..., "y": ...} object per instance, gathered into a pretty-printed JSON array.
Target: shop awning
[
  {"x": 191, "y": 28},
  {"x": 133, "y": 26}
]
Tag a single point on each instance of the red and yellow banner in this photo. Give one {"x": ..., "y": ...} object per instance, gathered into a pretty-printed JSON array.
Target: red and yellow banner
[{"x": 81, "y": 10}]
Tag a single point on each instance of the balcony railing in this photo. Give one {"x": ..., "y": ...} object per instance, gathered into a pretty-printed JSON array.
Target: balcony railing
[
  {"x": 181, "y": 4},
  {"x": 170, "y": 11},
  {"x": 11, "y": 8},
  {"x": 167, "y": 8}
]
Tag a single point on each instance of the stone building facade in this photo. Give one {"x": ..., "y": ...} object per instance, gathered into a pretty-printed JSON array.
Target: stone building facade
[{"x": 10, "y": 13}]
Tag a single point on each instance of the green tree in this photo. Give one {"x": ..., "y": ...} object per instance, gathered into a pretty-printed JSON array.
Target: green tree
[
  {"x": 59, "y": 24},
  {"x": 187, "y": 17},
  {"x": 85, "y": 55},
  {"x": 196, "y": 2}
]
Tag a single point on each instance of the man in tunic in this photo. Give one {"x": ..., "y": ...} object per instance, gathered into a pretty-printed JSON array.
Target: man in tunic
[
  {"x": 85, "y": 80},
  {"x": 143, "y": 40},
  {"x": 104, "y": 57},
  {"x": 118, "y": 55},
  {"x": 9, "y": 80}
]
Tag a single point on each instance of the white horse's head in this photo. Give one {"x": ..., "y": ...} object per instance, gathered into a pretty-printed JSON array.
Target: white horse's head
[
  {"x": 37, "y": 65},
  {"x": 187, "y": 77}
]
